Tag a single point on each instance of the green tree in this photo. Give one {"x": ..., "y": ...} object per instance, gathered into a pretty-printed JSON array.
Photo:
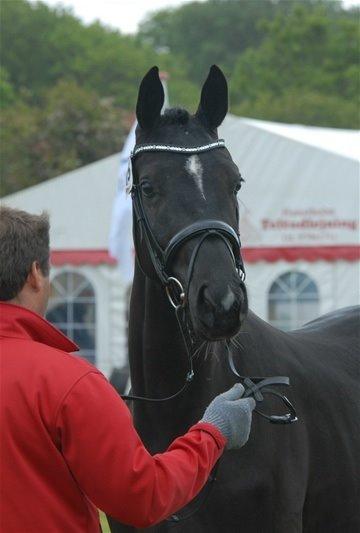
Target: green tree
[
  {"x": 73, "y": 129},
  {"x": 66, "y": 88},
  {"x": 216, "y": 31},
  {"x": 42, "y": 45},
  {"x": 19, "y": 126},
  {"x": 302, "y": 107},
  {"x": 307, "y": 58},
  {"x": 7, "y": 93}
]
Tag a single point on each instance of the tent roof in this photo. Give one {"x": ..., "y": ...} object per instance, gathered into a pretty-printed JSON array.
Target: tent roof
[
  {"x": 79, "y": 204},
  {"x": 337, "y": 141},
  {"x": 301, "y": 190}
]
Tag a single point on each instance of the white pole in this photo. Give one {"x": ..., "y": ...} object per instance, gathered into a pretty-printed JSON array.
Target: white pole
[{"x": 164, "y": 76}]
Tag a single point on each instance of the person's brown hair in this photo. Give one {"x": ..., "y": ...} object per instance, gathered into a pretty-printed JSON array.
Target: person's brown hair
[{"x": 24, "y": 238}]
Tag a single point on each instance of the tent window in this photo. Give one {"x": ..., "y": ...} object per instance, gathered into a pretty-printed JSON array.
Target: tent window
[
  {"x": 293, "y": 300},
  {"x": 72, "y": 310}
]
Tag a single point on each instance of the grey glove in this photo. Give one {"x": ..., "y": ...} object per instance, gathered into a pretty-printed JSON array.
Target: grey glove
[{"x": 231, "y": 415}]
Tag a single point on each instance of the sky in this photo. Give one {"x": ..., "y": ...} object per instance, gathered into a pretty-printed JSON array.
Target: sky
[{"x": 123, "y": 14}]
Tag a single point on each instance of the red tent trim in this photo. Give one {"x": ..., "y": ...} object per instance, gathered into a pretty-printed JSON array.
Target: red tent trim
[
  {"x": 250, "y": 255},
  {"x": 81, "y": 257},
  {"x": 297, "y": 253}
]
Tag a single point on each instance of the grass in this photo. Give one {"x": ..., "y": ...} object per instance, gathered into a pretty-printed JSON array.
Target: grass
[{"x": 104, "y": 523}]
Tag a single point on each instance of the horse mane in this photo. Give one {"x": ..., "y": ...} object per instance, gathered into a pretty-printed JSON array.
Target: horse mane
[{"x": 174, "y": 116}]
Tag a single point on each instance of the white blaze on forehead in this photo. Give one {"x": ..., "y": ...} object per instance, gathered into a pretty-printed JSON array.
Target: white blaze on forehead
[{"x": 194, "y": 167}]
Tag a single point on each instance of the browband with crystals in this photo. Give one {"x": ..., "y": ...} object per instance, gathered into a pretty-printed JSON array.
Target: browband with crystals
[{"x": 220, "y": 143}]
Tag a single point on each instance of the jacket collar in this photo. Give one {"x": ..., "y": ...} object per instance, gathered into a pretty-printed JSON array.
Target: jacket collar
[{"x": 21, "y": 323}]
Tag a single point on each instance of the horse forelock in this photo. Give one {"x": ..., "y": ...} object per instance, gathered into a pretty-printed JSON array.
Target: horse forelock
[{"x": 174, "y": 116}]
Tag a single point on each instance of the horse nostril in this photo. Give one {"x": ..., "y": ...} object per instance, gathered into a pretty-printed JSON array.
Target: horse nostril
[
  {"x": 227, "y": 303},
  {"x": 206, "y": 307},
  {"x": 207, "y": 297}
]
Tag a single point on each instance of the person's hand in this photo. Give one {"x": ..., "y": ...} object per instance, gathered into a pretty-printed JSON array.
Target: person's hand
[{"x": 232, "y": 415}]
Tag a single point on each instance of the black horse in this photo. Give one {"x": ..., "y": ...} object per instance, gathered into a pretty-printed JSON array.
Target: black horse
[{"x": 288, "y": 478}]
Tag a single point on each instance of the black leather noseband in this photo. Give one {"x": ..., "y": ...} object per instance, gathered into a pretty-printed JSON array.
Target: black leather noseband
[{"x": 231, "y": 238}]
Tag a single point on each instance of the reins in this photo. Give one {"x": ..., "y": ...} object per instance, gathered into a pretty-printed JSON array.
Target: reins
[{"x": 257, "y": 386}]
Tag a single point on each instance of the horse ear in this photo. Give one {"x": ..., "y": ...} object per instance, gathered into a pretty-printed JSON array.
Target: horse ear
[
  {"x": 150, "y": 99},
  {"x": 214, "y": 99}
]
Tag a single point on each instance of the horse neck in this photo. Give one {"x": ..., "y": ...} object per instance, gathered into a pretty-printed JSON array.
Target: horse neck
[{"x": 159, "y": 365}]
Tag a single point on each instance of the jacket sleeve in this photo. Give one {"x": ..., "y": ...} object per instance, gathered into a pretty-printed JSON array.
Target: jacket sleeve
[{"x": 111, "y": 465}]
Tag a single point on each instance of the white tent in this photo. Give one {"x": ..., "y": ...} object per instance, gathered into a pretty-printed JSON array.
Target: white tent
[
  {"x": 299, "y": 208},
  {"x": 299, "y": 213},
  {"x": 79, "y": 204}
]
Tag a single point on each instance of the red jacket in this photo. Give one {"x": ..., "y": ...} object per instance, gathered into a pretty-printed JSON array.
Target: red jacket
[{"x": 69, "y": 445}]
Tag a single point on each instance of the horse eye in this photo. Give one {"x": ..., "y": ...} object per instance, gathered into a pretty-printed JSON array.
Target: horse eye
[
  {"x": 237, "y": 187},
  {"x": 147, "y": 189}
]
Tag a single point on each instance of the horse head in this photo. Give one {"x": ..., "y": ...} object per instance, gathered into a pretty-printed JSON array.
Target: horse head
[{"x": 178, "y": 190}]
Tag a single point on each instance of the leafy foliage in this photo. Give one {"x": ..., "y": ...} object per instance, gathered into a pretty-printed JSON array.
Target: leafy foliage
[
  {"x": 7, "y": 94},
  {"x": 306, "y": 70},
  {"x": 68, "y": 90},
  {"x": 206, "y": 33},
  {"x": 73, "y": 128},
  {"x": 60, "y": 46},
  {"x": 302, "y": 107}
]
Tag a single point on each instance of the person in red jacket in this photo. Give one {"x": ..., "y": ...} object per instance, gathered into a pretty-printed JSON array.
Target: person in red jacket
[{"x": 68, "y": 444}]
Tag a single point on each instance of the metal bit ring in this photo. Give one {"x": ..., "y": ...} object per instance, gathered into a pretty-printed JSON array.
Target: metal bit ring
[{"x": 171, "y": 297}]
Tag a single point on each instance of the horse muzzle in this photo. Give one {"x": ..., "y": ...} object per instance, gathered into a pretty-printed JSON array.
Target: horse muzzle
[{"x": 219, "y": 314}]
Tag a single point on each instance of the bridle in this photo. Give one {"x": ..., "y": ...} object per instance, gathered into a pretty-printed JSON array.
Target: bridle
[
  {"x": 161, "y": 260},
  {"x": 178, "y": 295}
]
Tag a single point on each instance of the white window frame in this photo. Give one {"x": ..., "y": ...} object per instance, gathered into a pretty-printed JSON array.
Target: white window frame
[
  {"x": 294, "y": 295},
  {"x": 69, "y": 299}
]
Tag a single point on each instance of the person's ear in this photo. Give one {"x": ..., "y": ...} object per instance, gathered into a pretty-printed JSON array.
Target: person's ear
[{"x": 35, "y": 277}]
